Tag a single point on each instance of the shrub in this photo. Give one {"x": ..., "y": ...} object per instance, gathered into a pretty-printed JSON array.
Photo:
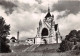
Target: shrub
[
  {"x": 65, "y": 46},
  {"x": 4, "y": 47}
]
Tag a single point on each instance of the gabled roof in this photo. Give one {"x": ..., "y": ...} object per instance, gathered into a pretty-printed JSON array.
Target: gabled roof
[
  {"x": 13, "y": 38},
  {"x": 48, "y": 15}
]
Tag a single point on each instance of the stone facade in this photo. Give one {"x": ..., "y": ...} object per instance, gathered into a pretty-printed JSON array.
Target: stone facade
[
  {"x": 47, "y": 32},
  {"x": 29, "y": 41}
]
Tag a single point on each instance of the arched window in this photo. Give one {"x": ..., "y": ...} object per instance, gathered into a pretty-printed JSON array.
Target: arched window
[{"x": 44, "y": 32}]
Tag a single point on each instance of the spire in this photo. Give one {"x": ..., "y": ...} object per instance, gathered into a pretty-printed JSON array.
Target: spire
[
  {"x": 48, "y": 14},
  {"x": 40, "y": 22},
  {"x": 48, "y": 9}
]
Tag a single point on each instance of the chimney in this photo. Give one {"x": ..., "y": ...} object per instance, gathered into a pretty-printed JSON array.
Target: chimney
[{"x": 18, "y": 36}]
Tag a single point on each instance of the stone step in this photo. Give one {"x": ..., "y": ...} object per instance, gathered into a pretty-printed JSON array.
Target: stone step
[{"x": 31, "y": 48}]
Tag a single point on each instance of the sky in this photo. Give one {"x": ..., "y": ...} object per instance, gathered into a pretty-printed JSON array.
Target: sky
[{"x": 24, "y": 15}]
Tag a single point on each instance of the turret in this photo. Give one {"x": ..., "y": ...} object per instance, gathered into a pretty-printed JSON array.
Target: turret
[{"x": 40, "y": 23}]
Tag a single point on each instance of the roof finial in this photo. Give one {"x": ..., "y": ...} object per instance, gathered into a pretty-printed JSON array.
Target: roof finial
[
  {"x": 48, "y": 8},
  {"x": 48, "y": 14}
]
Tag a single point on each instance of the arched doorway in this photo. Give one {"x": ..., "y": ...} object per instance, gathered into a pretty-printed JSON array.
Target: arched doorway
[
  {"x": 45, "y": 42},
  {"x": 44, "y": 32}
]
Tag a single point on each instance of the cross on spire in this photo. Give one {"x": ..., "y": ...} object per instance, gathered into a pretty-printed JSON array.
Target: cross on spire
[
  {"x": 48, "y": 14},
  {"x": 48, "y": 9}
]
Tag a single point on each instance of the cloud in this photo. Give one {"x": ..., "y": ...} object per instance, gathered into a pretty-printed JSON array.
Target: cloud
[
  {"x": 23, "y": 18},
  {"x": 43, "y": 5},
  {"x": 69, "y": 23},
  {"x": 25, "y": 15},
  {"x": 8, "y": 6},
  {"x": 39, "y": 1},
  {"x": 68, "y": 14},
  {"x": 71, "y": 7},
  {"x": 31, "y": 2},
  {"x": 24, "y": 21}
]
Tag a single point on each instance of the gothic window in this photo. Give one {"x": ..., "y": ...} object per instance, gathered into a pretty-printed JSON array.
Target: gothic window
[{"x": 44, "y": 32}]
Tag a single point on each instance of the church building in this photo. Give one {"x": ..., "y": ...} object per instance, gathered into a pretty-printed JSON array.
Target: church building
[{"x": 48, "y": 31}]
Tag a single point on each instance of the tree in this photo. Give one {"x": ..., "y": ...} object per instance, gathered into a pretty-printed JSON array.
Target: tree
[
  {"x": 67, "y": 42},
  {"x": 73, "y": 36},
  {"x": 73, "y": 33},
  {"x": 65, "y": 46},
  {"x": 4, "y": 32},
  {"x": 78, "y": 36},
  {"x": 67, "y": 37}
]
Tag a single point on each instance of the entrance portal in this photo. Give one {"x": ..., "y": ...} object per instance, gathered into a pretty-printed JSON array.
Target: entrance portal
[{"x": 45, "y": 42}]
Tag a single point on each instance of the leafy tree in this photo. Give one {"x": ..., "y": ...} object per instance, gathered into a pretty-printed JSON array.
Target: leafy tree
[
  {"x": 73, "y": 36},
  {"x": 4, "y": 32},
  {"x": 65, "y": 46},
  {"x": 78, "y": 36},
  {"x": 73, "y": 33},
  {"x": 67, "y": 37},
  {"x": 7, "y": 40}
]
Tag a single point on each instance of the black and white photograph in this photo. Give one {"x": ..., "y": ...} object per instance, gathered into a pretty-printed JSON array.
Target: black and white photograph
[{"x": 39, "y": 27}]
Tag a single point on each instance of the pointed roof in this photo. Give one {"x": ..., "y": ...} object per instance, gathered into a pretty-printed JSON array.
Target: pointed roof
[
  {"x": 40, "y": 22},
  {"x": 13, "y": 38},
  {"x": 48, "y": 14}
]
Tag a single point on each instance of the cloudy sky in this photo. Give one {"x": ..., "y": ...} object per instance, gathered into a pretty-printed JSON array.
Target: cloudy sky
[{"x": 24, "y": 15}]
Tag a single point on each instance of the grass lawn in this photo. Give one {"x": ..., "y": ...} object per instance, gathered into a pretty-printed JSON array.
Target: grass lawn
[
  {"x": 37, "y": 54},
  {"x": 42, "y": 50}
]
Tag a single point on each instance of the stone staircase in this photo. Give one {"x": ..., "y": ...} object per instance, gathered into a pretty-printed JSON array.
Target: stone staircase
[{"x": 31, "y": 48}]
